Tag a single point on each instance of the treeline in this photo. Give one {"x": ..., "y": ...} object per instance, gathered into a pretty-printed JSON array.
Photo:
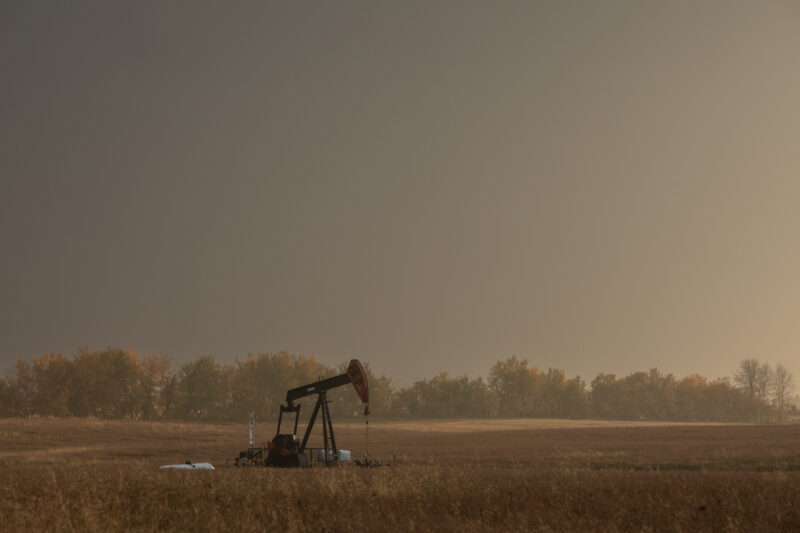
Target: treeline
[
  {"x": 116, "y": 383},
  {"x": 515, "y": 390}
]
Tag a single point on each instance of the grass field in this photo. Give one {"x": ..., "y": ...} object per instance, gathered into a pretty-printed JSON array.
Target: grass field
[{"x": 509, "y": 475}]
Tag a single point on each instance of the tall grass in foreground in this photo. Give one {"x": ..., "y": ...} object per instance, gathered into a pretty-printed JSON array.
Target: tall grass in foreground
[{"x": 135, "y": 496}]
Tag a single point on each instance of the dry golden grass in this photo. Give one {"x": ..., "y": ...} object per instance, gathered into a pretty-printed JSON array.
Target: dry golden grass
[
  {"x": 90, "y": 475},
  {"x": 494, "y": 424}
]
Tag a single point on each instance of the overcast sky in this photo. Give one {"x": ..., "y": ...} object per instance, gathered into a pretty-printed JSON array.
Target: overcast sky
[{"x": 427, "y": 186}]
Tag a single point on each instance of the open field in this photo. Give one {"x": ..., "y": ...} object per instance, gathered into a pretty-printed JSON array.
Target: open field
[
  {"x": 451, "y": 475},
  {"x": 497, "y": 424}
]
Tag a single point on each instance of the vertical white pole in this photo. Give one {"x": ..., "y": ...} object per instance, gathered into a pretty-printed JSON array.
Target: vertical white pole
[{"x": 252, "y": 404}]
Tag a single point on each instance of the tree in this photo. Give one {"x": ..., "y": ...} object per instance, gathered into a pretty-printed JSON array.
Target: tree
[
  {"x": 689, "y": 396},
  {"x": 606, "y": 396},
  {"x": 512, "y": 382},
  {"x": 783, "y": 385},
  {"x": 755, "y": 378},
  {"x": 6, "y": 398},
  {"x": 200, "y": 389},
  {"x": 22, "y": 389},
  {"x": 746, "y": 376},
  {"x": 764, "y": 379},
  {"x": 52, "y": 373},
  {"x": 154, "y": 374},
  {"x": 722, "y": 402},
  {"x": 105, "y": 384},
  {"x": 575, "y": 398}
]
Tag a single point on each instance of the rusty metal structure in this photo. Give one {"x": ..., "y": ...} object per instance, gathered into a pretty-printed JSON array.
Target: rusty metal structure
[{"x": 285, "y": 449}]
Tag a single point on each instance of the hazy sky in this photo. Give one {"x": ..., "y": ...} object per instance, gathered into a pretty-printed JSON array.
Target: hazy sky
[{"x": 591, "y": 185}]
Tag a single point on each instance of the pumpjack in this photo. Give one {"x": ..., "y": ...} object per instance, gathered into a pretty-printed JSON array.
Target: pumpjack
[{"x": 285, "y": 449}]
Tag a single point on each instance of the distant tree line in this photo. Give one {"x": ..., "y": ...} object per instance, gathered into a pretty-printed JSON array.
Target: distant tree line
[{"x": 116, "y": 383}]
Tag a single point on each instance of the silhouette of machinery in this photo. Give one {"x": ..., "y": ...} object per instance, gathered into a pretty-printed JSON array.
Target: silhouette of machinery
[{"x": 285, "y": 449}]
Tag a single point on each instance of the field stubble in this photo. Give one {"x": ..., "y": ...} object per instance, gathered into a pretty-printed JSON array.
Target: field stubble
[{"x": 95, "y": 475}]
